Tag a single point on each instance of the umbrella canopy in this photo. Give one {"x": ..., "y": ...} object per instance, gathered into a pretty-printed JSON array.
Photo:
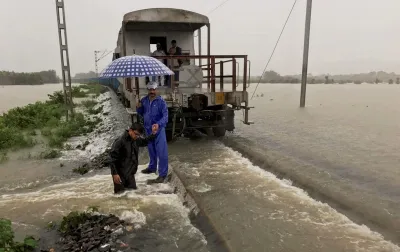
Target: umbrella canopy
[{"x": 135, "y": 66}]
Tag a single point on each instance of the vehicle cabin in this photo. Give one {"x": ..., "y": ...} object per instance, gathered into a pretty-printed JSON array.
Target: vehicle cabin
[{"x": 142, "y": 30}]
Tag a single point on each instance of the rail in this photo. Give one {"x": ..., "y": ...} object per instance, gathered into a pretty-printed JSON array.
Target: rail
[{"x": 210, "y": 68}]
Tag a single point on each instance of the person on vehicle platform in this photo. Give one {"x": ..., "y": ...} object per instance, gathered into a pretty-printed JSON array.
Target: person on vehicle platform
[{"x": 174, "y": 64}]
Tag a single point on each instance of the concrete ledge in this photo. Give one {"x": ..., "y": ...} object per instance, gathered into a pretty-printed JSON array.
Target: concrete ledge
[
  {"x": 131, "y": 111},
  {"x": 198, "y": 217}
]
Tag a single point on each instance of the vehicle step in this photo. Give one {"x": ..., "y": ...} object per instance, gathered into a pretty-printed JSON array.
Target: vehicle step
[
  {"x": 131, "y": 111},
  {"x": 248, "y": 122}
]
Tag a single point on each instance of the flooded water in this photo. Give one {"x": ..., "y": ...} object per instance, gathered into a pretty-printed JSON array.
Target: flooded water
[
  {"x": 154, "y": 210},
  {"x": 15, "y": 96},
  {"x": 35, "y": 192},
  {"x": 345, "y": 142},
  {"x": 255, "y": 211}
]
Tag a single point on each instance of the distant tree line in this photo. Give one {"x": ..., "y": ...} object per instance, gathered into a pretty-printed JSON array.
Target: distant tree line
[
  {"x": 36, "y": 78},
  {"x": 89, "y": 75},
  {"x": 371, "y": 77},
  {"x": 274, "y": 77}
]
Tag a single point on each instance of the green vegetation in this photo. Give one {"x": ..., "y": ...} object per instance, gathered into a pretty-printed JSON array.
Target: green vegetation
[
  {"x": 94, "y": 89},
  {"x": 68, "y": 147},
  {"x": 72, "y": 221},
  {"x": 92, "y": 209},
  {"x": 82, "y": 170},
  {"x": 20, "y": 125},
  {"x": 3, "y": 157},
  {"x": 78, "y": 125},
  {"x": 89, "y": 103},
  {"x": 10, "y": 138},
  {"x": 89, "y": 75},
  {"x": 47, "y": 116},
  {"x": 51, "y": 225},
  {"x": 77, "y": 92},
  {"x": 7, "y": 243},
  {"x": 87, "y": 90},
  {"x": 50, "y": 154},
  {"x": 12, "y": 78},
  {"x": 93, "y": 111}
]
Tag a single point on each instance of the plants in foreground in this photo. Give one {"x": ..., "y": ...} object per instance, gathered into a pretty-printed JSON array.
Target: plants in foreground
[{"x": 7, "y": 242}]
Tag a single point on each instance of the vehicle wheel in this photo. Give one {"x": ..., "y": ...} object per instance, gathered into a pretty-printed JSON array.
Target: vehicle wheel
[{"x": 219, "y": 131}]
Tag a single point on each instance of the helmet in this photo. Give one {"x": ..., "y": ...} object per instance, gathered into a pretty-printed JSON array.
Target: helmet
[{"x": 152, "y": 85}]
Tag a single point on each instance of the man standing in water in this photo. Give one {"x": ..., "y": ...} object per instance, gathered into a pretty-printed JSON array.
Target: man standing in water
[
  {"x": 124, "y": 157},
  {"x": 154, "y": 110}
]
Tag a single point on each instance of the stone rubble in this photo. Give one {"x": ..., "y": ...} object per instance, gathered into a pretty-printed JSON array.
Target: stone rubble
[{"x": 97, "y": 233}]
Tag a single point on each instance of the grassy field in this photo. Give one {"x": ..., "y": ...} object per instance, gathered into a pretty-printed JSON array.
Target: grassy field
[{"x": 24, "y": 127}]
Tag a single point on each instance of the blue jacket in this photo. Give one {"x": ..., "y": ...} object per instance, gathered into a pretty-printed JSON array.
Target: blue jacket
[{"x": 155, "y": 112}]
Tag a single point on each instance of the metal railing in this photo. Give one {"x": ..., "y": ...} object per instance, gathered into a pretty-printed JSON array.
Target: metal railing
[{"x": 210, "y": 68}]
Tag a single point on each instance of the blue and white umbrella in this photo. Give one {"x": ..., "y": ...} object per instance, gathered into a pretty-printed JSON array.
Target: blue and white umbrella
[{"x": 135, "y": 66}]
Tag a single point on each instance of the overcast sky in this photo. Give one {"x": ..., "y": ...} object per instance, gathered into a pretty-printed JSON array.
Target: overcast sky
[{"x": 347, "y": 36}]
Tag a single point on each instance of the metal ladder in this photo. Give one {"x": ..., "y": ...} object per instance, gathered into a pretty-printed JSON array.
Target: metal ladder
[{"x": 66, "y": 73}]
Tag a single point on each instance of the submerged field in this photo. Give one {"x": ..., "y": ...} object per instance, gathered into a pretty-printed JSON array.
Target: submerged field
[{"x": 44, "y": 123}]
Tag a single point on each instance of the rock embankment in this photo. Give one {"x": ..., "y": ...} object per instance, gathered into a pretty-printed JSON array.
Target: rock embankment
[
  {"x": 99, "y": 162},
  {"x": 88, "y": 232}
]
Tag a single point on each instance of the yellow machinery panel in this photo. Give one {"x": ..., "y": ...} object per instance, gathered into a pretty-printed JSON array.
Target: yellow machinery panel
[{"x": 219, "y": 98}]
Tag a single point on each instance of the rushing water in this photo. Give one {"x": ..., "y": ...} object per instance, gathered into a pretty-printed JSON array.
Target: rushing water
[
  {"x": 348, "y": 134},
  {"x": 346, "y": 141},
  {"x": 35, "y": 192}
]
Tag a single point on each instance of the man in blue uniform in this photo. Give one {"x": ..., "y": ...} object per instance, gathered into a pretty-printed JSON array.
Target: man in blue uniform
[{"x": 154, "y": 110}]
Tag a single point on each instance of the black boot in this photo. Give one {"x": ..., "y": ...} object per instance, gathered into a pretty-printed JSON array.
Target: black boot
[
  {"x": 148, "y": 171},
  {"x": 159, "y": 180}
]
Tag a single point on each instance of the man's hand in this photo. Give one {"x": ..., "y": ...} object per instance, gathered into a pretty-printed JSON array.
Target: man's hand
[
  {"x": 116, "y": 179},
  {"x": 154, "y": 128}
]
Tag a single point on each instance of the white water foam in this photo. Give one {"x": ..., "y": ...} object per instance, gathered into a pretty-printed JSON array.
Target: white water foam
[
  {"x": 98, "y": 143},
  {"x": 138, "y": 219},
  {"x": 201, "y": 188}
]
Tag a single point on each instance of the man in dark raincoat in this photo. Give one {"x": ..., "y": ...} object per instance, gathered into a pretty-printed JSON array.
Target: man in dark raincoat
[
  {"x": 154, "y": 110},
  {"x": 125, "y": 157}
]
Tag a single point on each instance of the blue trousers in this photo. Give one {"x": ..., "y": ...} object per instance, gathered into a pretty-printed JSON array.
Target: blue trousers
[{"x": 158, "y": 152}]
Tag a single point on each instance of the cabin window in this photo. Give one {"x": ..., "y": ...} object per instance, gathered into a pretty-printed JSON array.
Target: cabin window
[{"x": 155, "y": 40}]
